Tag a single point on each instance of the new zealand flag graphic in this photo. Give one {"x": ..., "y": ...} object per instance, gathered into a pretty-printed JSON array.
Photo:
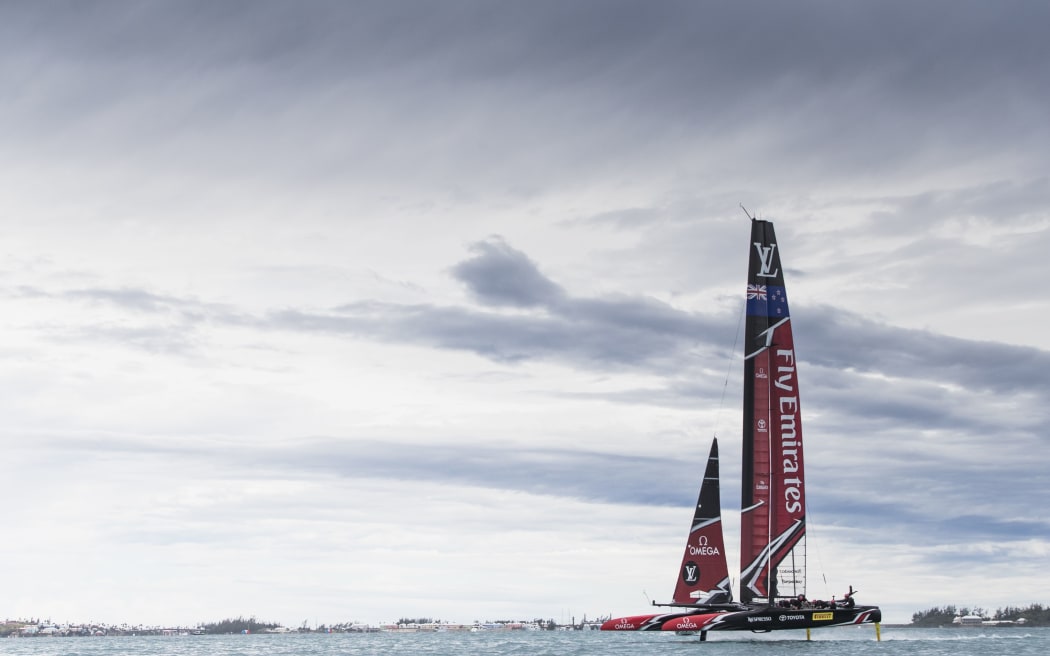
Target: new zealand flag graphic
[{"x": 767, "y": 301}]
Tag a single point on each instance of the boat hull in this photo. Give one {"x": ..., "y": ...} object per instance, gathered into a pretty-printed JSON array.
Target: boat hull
[{"x": 759, "y": 619}]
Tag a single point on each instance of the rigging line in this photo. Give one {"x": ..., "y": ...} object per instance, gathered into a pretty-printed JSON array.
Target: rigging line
[
  {"x": 816, "y": 547},
  {"x": 729, "y": 369}
]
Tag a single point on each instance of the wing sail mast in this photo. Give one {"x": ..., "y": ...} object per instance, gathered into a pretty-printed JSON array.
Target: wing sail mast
[{"x": 773, "y": 498}]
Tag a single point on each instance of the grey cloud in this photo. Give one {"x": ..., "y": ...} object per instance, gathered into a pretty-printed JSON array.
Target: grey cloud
[
  {"x": 589, "y": 475},
  {"x": 562, "y": 473},
  {"x": 501, "y": 275},
  {"x": 610, "y": 334},
  {"x": 847, "y": 340},
  {"x": 955, "y": 510},
  {"x": 878, "y": 388},
  {"x": 159, "y": 323},
  {"x": 547, "y": 322},
  {"x": 932, "y": 500},
  {"x": 999, "y": 202},
  {"x": 943, "y": 215},
  {"x": 134, "y": 299},
  {"x": 177, "y": 340},
  {"x": 546, "y": 85},
  {"x": 601, "y": 332},
  {"x": 129, "y": 298},
  {"x": 884, "y": 388}
]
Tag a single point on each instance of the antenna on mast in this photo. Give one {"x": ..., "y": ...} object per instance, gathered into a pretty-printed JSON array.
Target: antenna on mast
[{"x": 746, "y": 212}]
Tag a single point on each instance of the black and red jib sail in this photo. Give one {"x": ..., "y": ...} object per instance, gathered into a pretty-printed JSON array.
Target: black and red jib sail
[
  {"x": 703, "y": 577},
  {"x": 773, "y": 500}
]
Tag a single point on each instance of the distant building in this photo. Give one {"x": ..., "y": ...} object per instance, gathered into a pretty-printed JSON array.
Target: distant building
[{"x": 968, "y": 620}]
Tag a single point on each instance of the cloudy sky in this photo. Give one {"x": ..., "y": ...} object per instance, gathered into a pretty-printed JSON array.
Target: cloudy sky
[{"x": 332, "y": 311}]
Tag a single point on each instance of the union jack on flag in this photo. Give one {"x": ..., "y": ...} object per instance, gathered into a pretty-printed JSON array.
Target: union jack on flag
[{"x": 756, "y": 292}]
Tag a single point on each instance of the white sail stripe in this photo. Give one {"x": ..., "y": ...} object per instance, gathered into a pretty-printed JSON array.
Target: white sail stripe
[
  {"x": 704, "y": 524},
  {"x": 750, "y": 508},
  {"x": 750, "y": 573},
  {"x": 768, "y": 333},
  {"x": 716, "y": 594}
]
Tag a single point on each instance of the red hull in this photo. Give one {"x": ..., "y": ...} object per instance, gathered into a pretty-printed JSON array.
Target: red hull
[{"x": 756, "y": 619}]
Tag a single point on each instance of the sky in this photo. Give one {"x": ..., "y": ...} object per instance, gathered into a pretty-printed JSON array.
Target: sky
[{"x": 322, "y": 312}]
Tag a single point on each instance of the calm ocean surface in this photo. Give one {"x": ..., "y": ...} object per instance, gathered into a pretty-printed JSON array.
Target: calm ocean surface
[{"x": 844, "y": 641}]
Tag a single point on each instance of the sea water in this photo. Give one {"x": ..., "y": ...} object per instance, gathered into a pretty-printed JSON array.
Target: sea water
[{"x": 841, "y": 641}]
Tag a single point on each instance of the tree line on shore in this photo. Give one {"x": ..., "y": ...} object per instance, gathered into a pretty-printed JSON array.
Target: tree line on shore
[
  {"x": 1033, "y": 615},
  {"x": 235, "y": 625},
  {"x": 32, "y": 627}
]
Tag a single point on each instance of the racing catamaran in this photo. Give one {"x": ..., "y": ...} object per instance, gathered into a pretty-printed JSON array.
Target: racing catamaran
[{"x": 773, "y": 503}]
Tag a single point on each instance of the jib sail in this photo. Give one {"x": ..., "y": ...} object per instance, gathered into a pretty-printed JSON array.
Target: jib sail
[{"x": 703, "y": 577}]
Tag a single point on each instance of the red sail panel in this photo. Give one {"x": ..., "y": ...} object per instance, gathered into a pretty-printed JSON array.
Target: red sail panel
[
  {"x": 755, "y": 517},
  {"x": 703, "y": 577},
  {"x": 773, "y": 492}
]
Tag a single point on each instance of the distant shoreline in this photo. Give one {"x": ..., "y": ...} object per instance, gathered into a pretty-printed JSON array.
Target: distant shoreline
[
  {"x": 963, "y": 626},
  {"x": 48, "y": 629}
]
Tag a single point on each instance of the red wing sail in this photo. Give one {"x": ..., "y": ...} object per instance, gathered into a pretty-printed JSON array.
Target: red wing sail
[
  {"x": 703, "y": 577},
  {"x": 773, "y": 515}
]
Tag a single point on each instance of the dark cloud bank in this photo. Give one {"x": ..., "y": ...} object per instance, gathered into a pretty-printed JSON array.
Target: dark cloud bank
[
  {"x": 907, "y": 405},
  {"x": 577, "y": 90}
]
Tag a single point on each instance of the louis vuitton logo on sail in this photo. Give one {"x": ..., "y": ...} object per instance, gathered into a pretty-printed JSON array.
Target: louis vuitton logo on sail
[
  {"x": 691, "y": 573},
  {"x": 788, "y": 407},
  {"x": 765, "y": 260}
]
